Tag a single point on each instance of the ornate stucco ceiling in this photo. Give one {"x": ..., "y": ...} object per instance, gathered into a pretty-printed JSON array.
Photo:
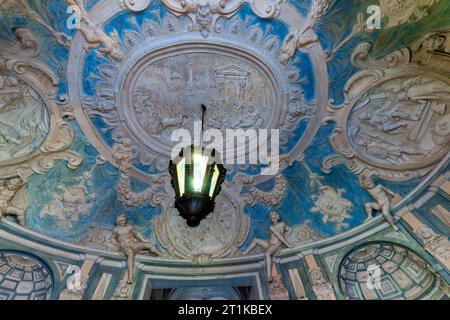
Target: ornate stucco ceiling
[{"x": 87, "y": 110}]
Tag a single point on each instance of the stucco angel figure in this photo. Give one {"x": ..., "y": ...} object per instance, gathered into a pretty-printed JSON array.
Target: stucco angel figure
[
  {"x": 131, "y": 242},
  {"x": 294, "y": 41},
  {"x": 383, "y": 201},
  {"x": 279, "y": 232},
  {"x": 7, "y": 194},
  {"x": 95, "y": 36}
]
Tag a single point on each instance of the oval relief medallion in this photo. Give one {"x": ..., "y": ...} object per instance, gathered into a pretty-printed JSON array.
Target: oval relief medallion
[
  {"x": 402, "y": 123},
  {"x": 165, "y": 89},
  {"x": 219, "y": 235},
  {"x": 24, "y": 118},
  {"x": 166, "y": 94},
  {"x": 169, "y": 70}
]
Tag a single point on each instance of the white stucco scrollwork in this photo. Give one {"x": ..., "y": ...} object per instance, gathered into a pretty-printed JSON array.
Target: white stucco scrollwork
[
  {"x": 205, "y": 14},
  {"x": 33, "y": 132},
  {"x": 136, "y": 5}
]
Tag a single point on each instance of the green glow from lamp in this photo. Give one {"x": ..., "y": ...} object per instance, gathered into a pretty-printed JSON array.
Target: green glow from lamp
[{"x": 197, "y": 177}]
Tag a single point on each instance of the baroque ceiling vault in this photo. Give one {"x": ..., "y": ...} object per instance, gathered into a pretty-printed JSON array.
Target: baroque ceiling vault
[{"x": 91, "y": 92}]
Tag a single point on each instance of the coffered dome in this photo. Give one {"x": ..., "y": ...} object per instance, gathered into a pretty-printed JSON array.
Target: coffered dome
[
  {"x": 402, "y": 273},
  {"x": 23, "y": 277}
]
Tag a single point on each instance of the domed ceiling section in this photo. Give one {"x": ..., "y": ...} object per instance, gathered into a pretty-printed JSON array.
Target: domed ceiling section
[
  {"x": 403, "y": 274},
  {"x": 90, "y": 96},
  {"x": 23, "y": 277}
]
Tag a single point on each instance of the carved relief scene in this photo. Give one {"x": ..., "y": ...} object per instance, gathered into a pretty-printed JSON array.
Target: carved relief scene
[
  {"x": 402, "y": 121},
  {"x": 24, "y": 118},
  {"x": 348, "y": 102},
  {"x": 168, "y": 92}
]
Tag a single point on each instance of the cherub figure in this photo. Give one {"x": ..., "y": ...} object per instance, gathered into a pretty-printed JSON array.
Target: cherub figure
[
  {"x": 69, "y": 205},
  {"x": 7, "y": 194},
  {"x": 279, "y": 232},
  {"x": 131, "y": 242},
  {"x": 293, "y": 42},
  {"x": 94, "y": 35},
  {"x": 383, "y": 200}
]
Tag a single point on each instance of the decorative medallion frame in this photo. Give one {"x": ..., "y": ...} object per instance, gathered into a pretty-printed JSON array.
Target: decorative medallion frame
[
  {"x": 313, "y": 113},
  {"x": 21, "y": 61},
  {"x": 417, "y": 79}
]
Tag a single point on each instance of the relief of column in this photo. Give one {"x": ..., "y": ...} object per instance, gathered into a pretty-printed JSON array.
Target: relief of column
[
  {"x": 436, "y": 244},
  {"x": 321, "y": 287}
]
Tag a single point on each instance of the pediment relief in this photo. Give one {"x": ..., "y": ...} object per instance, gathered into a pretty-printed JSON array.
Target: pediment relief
[{"x": 232, "y": 70}]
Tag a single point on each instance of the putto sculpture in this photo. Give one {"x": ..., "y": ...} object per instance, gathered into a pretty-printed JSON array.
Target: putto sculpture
[
  {"x": 131, "y": 242},
  {"x": 383, "y": 200},
  {"x": 7, "y": 193},
  {"x": 279, "y": 232},
  {"x": 95, "y": 37}
]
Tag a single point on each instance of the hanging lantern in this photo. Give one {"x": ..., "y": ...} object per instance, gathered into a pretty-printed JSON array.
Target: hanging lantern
[{"x": 197, "y": 177}]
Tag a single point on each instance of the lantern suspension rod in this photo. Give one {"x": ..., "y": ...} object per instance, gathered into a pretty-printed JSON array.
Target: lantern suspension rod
[
  {"x": 203, "y": 123},
  {"x": 203, "y": 116}
]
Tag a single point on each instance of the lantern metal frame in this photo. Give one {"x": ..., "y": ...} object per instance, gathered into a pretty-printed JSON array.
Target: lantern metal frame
[{"x": 195, "y": 205}]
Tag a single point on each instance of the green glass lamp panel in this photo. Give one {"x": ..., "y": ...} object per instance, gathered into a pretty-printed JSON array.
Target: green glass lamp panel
[
  {"x": 181, "y": 174},
  {"x": 215, "y": 178},
  {"x": 200, "y": 165}
]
